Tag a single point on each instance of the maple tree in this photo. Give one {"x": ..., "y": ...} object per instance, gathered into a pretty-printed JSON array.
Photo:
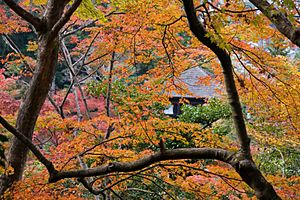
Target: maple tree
[
  {"x": 47, "y": 30},
  {"x": 134, "y": 50}
]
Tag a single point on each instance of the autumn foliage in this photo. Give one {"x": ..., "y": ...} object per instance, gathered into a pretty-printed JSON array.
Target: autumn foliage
[{"x": 118, "y": 65}]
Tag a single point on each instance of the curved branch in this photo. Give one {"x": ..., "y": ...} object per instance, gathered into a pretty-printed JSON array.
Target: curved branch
[
  {"x": 90, "y": 188},
  {"x": 27, "y": 16},
  {"x": 282, "y": 23},
  {"x": 48, "y": 164},
  {"x": 200, "y": 32},
  {"x": 246, "y": 168},
  {"x": 174, "y": 154},
  {"x": 243, "y": 163}
]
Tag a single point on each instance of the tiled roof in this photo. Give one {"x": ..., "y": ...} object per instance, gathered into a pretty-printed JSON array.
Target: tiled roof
[{"x": 191, "y": 78}]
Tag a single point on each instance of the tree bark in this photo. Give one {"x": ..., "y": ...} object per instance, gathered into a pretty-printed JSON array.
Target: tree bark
[
  {"x": 31, "y": 106},
  {"x": 242, "y": 162},
  {"x": 279, "y": 19},
  {"x": 48, "y": 45},
  {"x": 246, "y": 168},
  {"x": 48, "y": 28}
]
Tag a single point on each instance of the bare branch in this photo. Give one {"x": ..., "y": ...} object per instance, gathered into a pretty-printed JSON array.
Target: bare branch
[
  {"x": 70, "y": 65},
  {"x": 144, "y": 176},
  {"x": 89, "y": 24},
  {"x": 199, "y": 169},
  {"x": 86, "y": 54},
  {"x": 56, "y": 107},
  {"x": 66, "y": 96},
  {"x": 65, "y": 34},
  {"x": 17, "y": 50},
  {"x": 108, "y": 96},
  {"x": 232, "y": 11},
  {"x": 95, "y": 59}
]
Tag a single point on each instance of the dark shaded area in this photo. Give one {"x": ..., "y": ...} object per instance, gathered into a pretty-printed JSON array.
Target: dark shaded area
[{"x": 176, "y": 103}]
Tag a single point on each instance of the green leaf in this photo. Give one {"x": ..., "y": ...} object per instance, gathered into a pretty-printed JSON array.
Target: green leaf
[{"x": 87, "y": 10}]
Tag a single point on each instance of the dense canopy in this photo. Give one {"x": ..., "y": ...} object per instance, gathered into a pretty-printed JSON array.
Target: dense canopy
[{"x": 85, "y": 85}]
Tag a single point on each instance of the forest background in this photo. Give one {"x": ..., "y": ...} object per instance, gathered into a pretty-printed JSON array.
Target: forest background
[{"x": 85, "y": 84}]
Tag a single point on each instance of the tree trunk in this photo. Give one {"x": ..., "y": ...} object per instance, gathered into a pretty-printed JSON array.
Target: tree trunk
[
  {"x": 242, "y": 162},
  {"x": 48, "y": 45},
  {"x": 31, "y": 106}
]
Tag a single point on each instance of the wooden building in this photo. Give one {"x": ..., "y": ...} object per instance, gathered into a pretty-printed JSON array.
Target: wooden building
[{"x": 197, "y": 93}]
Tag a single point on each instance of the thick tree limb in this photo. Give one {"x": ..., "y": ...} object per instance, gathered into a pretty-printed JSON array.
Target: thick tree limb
[
  {"x": 242, "y": 163},
  {"x": 27, "y": 16},
  {"x": 174, "y": 154},
  {"x": 48, "y": 46},
  {"x": 65, "y": 18},
  {"x": 48, "y": 164},
  {"x": 34, "y": 97},
  {"x": 282, "y": 23},
  {"x": 246, "y": 168},
  {"x": 199, "y": 31}
]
